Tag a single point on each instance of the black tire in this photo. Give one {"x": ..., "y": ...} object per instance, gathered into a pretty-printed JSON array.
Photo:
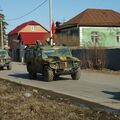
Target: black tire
[
  {"x": 32, "y": 75},
  {"x": 9, "y": 67},
  {"x": 56, "y": 77},
  {"x": 1, "y": 68},
  {"x": 76, "y": 75},
  {"x": 48, "y": 74},
  {"x": 28, "y": 67}
]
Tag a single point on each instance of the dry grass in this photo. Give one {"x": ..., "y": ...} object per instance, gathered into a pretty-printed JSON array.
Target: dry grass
[{"x": 18, "y": 102}]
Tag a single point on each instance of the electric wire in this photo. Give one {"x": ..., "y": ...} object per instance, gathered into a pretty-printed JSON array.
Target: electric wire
[{"x": 28, "y": 12}]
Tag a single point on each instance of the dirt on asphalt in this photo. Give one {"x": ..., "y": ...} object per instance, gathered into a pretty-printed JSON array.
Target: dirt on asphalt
[{"x": 20, "y": 102}]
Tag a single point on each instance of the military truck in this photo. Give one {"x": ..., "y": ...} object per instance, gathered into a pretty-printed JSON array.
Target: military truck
[
  {"x": 51, "y": 62},
  {"x": 5, "y": 60}
]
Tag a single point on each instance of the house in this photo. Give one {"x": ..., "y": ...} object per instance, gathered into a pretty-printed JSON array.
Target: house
[
  {"x": 25, "y": 35},
  {"x": 92, "y": 27}
]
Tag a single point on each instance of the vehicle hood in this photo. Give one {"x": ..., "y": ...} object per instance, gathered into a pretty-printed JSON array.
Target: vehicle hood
[
  {"x": 5, "y": 58},
  {"x": 64, "y": 58}
]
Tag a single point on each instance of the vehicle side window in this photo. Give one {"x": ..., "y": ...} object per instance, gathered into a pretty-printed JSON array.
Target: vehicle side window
[
  {"x": 44, "y": 56},
  {"x": 39, "y": 54}
]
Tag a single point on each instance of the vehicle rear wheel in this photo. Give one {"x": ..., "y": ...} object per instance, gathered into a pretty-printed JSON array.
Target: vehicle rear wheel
[
  {"x": 56, "y": 77},
  {"x": 76, "y": 75},
  {"x": 48, "y": 74},
  {"x": 32, "y": 75}
]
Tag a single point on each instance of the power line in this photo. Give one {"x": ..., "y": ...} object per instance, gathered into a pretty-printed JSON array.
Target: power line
[{"x": 28, "y": 12}]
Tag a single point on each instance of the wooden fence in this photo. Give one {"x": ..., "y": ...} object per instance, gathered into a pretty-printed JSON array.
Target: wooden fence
[{"x": 98, "y": 58}]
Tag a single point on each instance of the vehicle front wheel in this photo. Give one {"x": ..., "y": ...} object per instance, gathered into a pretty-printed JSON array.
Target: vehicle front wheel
[
  {"x": 9, "y": 67},
  {"x": 48, "y": 74},
  {"x": 76, "y": 75},
  {"x": 1, "y": 68}
]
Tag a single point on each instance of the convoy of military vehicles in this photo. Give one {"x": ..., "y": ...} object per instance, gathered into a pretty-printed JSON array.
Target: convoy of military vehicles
[{"x": 49, "y": 61}]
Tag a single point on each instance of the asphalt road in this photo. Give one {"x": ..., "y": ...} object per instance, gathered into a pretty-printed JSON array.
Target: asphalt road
[{"x": 101, "y": 88}]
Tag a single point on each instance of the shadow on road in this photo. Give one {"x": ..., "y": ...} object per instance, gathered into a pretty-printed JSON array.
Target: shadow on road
[
  {"x": 39, "y": 77},
  {"x": 116, "y": 95},
  {"x": 22, "y": 75}
]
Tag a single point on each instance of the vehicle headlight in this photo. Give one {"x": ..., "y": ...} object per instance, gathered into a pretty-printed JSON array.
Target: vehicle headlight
[{"x": 1, "y": 60}]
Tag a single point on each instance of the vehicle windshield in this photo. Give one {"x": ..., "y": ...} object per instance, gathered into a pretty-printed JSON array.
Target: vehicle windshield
[
  {"x": 64, "y": 51},
  {"x": 3, "y": 54},
  {"x": 52, "y": 52},
  {"x": 49, "y": 52}
]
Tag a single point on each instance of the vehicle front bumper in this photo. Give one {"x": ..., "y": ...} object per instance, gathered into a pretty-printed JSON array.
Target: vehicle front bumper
[
  {"x": 2, "y": 64},
  {"x": 65, "y": 71}
]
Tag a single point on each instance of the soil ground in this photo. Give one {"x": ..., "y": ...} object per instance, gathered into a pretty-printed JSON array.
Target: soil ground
[{"x": 20, "y": 102}]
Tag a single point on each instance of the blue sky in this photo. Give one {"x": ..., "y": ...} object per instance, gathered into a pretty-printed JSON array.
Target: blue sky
[{"x": 63, "y": 10}]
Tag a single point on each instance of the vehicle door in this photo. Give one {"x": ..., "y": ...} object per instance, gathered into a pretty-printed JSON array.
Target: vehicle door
[{"x": 38, "y": 61}]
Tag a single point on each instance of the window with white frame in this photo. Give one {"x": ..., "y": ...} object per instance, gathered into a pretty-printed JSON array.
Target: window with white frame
[
  {"x": 94, "y": 37},
  {"x": 118, "y": 37},
  {"x": 33, "y": 28}
]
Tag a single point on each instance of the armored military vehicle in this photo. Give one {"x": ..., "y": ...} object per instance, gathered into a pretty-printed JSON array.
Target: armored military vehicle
[
  {"x": 5, "y": 60},
  {"x": 51, "y": 62}
]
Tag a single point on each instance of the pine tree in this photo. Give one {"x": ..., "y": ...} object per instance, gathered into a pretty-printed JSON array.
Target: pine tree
[{"x": 3, "y": 24}]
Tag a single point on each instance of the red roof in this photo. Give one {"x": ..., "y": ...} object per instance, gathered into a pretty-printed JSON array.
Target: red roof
[
  {"x": 29, "y": 38},
  {"x": 95, "y": 17},
  {"x": 20, "y": 27}
]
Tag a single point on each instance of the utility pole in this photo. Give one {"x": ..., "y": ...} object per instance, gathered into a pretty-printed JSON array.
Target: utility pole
[{"x": 50, "y": 6}]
